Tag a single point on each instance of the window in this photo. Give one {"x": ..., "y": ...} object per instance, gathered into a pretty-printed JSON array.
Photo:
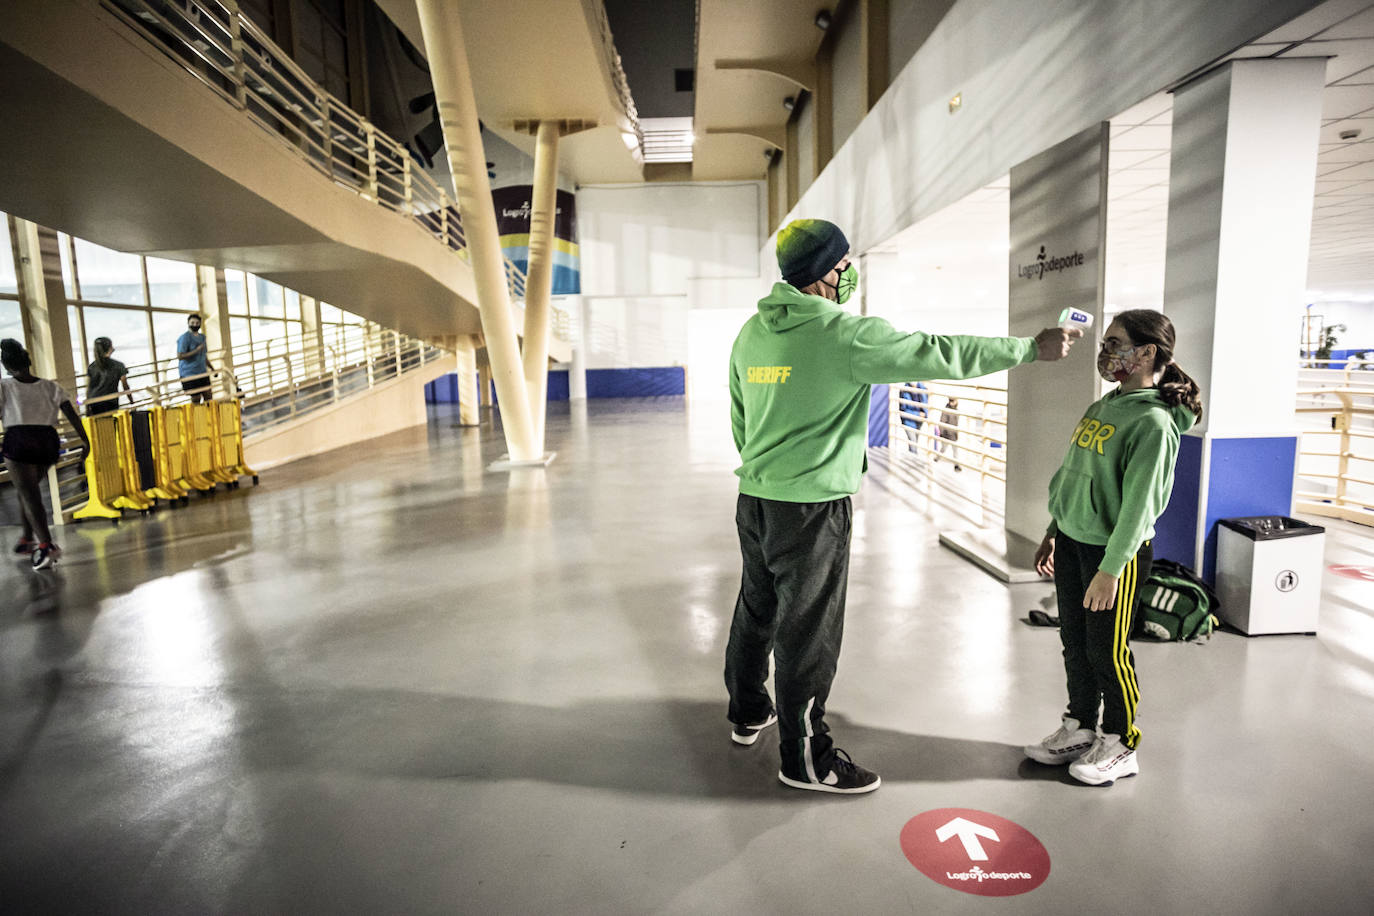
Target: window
[
  {"x": 172, "y": 285},
  {"x": 9, "y": 282},
  {"x": 109, "y": 276},
  {"x": 127, "y": 329}
]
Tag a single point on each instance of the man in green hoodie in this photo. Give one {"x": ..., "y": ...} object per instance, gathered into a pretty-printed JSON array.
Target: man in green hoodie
[{"x": 800, "y": 376}]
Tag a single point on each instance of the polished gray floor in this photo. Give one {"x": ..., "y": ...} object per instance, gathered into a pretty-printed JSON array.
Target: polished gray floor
[{"x": 386, "y": 681}]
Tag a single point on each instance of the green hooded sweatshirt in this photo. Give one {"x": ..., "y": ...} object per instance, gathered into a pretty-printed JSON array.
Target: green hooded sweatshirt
[
  {"x": 800, "y": 374},
  {"x": 1119, "y": 472}
]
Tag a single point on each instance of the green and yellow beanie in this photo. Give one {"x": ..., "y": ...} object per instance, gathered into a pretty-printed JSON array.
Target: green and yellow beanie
[{"x": 808, "y": 249}]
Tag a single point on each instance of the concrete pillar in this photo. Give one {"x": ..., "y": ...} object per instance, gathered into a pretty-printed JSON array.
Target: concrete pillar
[
  {"x": 539, "y": 280},
  {"x": 1241, "y": 184},
  {"x": 214, "y": 312},
  {"x": 312, "y": 332},
  {"x": 442, "y": 28},
  {"x": 1057, "y": 234},
  {"x": 469, "y": 412},
  {"x": 43, "y": 299}
]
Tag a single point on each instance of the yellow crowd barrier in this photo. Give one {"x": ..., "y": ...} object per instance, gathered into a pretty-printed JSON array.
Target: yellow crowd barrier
[
  {"x": 104, "y": 476},
  {"x": 194, "y": 447}
]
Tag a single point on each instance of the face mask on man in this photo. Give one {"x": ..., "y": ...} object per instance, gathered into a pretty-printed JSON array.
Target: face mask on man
[{"x": 849, "y": 281}]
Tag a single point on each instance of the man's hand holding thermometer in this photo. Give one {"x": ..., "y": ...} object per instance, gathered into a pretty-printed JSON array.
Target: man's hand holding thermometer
[{"x": 1054, "y": 343}]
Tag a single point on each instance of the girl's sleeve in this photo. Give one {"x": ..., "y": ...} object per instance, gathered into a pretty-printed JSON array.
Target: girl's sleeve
[{"x": 1145, "y": 489}]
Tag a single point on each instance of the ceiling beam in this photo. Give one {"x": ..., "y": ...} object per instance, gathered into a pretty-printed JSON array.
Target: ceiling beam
[
  {"x": 800, "y": 72},
  {"x": 775, "y": 136}
]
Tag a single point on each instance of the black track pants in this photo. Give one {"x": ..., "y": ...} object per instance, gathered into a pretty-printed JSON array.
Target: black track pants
[
  {"x": 1097, "y": 653},
  {"x": 791, "y": 602}
]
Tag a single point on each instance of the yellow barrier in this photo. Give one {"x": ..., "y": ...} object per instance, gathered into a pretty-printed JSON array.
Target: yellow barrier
[
  {"x": 197, "y": 448},
  {"x": 132, "y": 497},
  {"x": 229, "y": 435},
  {"x": 166, "y": 456},
  {"x": 104, "y": 476}
]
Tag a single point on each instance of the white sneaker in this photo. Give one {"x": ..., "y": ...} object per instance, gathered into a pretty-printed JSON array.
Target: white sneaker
[
  {"x": 1064, "y": 746},
  {"x": 1107, "y": 761}
]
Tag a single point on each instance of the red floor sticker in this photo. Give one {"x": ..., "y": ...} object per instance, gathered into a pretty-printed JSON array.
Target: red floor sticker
[
  {"x": 1363, "y": 573},
  {"x": 975, "y": 852}
]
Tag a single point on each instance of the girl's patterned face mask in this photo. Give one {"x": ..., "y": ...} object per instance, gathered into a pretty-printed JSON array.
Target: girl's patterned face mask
[{"x": 1116, "y": 364}]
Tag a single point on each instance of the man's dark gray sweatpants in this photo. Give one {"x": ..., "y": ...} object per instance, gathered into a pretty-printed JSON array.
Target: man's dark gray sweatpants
[{"x": 791, "y": 602}]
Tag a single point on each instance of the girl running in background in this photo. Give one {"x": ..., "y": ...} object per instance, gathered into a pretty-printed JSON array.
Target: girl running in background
[
  {"x": 29, "y": 410},
  {"x": 103, "y": 377},
  {"x": 1104, "y": 501}
]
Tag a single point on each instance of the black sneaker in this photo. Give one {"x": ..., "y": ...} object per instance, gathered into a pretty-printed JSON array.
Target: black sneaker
[
  {"x": 45, "y": 555},
  {"x": 845, "y": 778},
  {"x": 748, "y": 734},
  {"x": 24, "y": 546}
]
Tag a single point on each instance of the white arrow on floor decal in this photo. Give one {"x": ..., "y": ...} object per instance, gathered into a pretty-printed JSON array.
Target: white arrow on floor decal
[{"x": 968, "y": 833}]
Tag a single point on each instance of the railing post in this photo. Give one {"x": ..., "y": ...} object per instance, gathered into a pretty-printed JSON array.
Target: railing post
[
  {"x": 443, "y": 216},
  {"x": 236, "y": 47},
  {"x": 405, "y": 184},
  {"x": 396, "y": 345},
  {"x": 371, "y": 160},
  {"x": 327, "y": 130}
]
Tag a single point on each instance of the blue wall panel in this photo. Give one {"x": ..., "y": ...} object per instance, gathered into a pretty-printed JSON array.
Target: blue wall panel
[
  {"x": 878, "y": 422},
  {"x": 1247, "y": 477},
  {"x": 636, "y": 383},
  {"x": 558, "y": 385},
  {"x": 1176, "y": 530}
]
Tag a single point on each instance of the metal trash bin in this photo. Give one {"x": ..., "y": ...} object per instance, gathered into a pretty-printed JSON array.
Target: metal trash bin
[{"x": 1269, "y": 574}]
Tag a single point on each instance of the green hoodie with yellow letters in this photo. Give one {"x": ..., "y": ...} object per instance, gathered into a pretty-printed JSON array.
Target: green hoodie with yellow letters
[
  {"x": 800, "y": 373},
  {"x": 1117, "y": 477}
]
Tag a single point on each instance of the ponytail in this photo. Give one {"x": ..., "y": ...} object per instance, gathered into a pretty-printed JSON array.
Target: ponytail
[
  {"x": 103, "y": 346},
  {"x": 1177, "y": 387}
]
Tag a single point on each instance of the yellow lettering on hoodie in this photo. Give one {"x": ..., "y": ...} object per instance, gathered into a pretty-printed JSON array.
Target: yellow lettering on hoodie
[{"x": 768, "y": 375}]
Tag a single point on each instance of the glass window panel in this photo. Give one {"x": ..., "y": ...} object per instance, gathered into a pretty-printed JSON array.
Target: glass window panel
[
  {"x": 11, "y": 321},
  {"x": 81, "y": 354},
  {"x": 109, "y": 276},
  {"x": 264, "y": 298},
  {"x": 172, "y": 285},
  {"x": 9, "y": 282},
  {"x": 64, "y": 245},
  {"x": 293, "y": 305},
  {"x": 237, "y": 288},
  {"x": 330, "y": 314},
  {"x": 127, "y": 330}
]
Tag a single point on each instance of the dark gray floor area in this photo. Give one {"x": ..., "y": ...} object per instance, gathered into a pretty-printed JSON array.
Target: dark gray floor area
[{"x": 387, "y": 681}]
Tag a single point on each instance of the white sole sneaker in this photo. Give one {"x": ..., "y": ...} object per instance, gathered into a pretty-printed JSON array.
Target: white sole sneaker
[
  {"x": 1059, "y": 756},
  {"x": 1121, "y": 767},
  {"x": 751, "y": 732},
  {"x": 834, "y": 790}
]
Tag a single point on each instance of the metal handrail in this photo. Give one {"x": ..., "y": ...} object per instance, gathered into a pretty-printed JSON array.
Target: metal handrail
[
  {"x": 240, "y": 63},
  {"x": 1336, "y": 478}
]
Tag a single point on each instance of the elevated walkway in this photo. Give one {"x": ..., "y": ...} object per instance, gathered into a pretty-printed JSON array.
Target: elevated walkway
[{"x": 195, "y": 139}]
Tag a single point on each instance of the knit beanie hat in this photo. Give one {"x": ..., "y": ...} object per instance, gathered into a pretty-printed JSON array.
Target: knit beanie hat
[{"x": 808, "y": 249}]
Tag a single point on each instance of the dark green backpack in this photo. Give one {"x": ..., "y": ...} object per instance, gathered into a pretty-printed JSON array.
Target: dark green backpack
[{"x": 1175, "y": 605}]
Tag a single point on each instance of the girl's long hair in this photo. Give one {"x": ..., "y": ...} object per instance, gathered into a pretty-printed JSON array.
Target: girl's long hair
[
  {"x": 103, "y": 346},
  {"x": 1146, "y": 326}
]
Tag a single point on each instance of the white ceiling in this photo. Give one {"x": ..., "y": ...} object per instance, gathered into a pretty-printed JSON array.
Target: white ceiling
[{"x": 1341, "y": 260}]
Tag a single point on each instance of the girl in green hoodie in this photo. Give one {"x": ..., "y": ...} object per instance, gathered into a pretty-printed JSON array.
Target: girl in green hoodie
[{"x": 1104, "y": 500}]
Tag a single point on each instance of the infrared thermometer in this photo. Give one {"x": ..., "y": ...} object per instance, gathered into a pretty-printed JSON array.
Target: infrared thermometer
[{"x": 1074, "y": 318}]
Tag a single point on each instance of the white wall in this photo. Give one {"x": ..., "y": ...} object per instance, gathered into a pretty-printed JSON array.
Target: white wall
[
  {"x": 1029, "y": 78},
  {"x": 653, "y": 253},
  {"x": 1358, "y": 318}
]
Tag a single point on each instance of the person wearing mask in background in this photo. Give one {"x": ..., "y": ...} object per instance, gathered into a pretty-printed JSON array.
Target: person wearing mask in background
[
  {"x": 800, "y": 373},
  {"x": 193, "y": 364},
  {"x": 29, "y": 409},
  {"x": 104, "y": 377}
]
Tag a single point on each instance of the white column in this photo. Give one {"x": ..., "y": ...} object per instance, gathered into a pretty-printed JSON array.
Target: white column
[
  {"x": 448, "y": 60},
  {"x": 539, "y": 280},
  {"x": 1241, "y": 184},
  {"x": 469, "y": 412},
  {"x": 214, "y": 308}
]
